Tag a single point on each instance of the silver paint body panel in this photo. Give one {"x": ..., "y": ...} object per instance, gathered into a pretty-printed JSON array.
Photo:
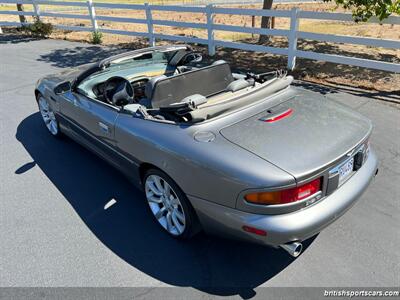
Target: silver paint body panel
[
  {"x": 314, "y": 135},
  {"x": 284, "y": 228},
  {"x": 245, "y": 154}
]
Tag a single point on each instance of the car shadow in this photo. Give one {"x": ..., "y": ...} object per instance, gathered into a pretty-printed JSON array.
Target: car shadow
[{"x": 212, "y": 265}]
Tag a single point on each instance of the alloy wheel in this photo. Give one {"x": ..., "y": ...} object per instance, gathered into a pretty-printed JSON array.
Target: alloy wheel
[
  {"x": 165, "y": 205},
  {"x": 48, "y": 116}
]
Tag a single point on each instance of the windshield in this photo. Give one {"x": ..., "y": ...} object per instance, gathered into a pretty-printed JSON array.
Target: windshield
[
  {"x": 128, "y": 63},
  {"x": 149, "y": 57}
]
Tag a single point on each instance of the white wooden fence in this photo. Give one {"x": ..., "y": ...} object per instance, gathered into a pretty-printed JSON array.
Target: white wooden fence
[{"x": 292, "y": 34}]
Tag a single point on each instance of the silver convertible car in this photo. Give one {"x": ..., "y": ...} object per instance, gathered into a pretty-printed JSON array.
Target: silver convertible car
[{"x": 245, "y": 156}]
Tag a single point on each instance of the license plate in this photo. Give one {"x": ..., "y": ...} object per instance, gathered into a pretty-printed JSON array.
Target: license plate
[{"x": 346, "y": 169}]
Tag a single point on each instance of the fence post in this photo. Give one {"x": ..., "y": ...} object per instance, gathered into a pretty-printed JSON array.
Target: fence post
[
  {"x": 149, "y": 17},
  {"x": 294, "y": 26},
  {"x": 92, "y": 14},
  {"x": 36, "y": 9},
  {"x": 210, "y": 30}
]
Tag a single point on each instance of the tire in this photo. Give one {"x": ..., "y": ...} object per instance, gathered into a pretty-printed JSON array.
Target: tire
[
  {"x": 176, "y": 215},
  {"x": 48, "y": 116}
]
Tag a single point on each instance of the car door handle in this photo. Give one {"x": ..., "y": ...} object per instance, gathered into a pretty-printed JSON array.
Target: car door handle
[{"x": 104, "y": 127}]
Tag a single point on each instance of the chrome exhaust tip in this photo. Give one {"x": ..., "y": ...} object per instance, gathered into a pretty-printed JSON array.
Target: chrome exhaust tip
[{"x": 294, "y": 249}]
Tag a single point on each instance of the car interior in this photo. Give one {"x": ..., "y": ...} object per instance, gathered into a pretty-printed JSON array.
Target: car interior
[{"x": 168, "y": 86}]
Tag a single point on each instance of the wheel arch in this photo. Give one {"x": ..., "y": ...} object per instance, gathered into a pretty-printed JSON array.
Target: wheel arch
[{"x": 144, "y": 167}]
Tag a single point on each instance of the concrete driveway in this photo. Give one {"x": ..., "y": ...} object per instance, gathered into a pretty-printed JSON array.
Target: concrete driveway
[{"x": 55, "y": 232}]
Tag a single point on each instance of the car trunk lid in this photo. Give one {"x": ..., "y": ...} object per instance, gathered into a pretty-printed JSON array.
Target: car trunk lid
[{"x": 302, "y": 135}]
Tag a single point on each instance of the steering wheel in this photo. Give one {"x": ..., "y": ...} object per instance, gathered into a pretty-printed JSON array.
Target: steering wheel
[{"x": 118, "y": 91}]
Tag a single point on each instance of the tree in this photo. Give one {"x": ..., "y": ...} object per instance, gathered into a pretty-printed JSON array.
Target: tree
[
  {"x": 265, "y": 21},
  {"x": 22, "y": 19},
  {"x": 362, "y": 10}
]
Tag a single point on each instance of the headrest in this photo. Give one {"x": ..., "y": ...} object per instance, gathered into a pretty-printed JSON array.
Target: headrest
[
  {"x": 218, "y": 62},
  {"x": 195, "y": 100},
  {"x": 238, "y": 84}
]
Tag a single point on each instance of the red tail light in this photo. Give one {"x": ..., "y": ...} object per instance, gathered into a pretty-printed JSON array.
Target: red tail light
[
  {"x": 301, "y": 192},
  {"x": 286, "y": 196}
]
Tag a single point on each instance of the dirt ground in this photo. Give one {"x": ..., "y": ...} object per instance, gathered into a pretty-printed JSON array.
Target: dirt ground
[{"x": 314, "y": 71}]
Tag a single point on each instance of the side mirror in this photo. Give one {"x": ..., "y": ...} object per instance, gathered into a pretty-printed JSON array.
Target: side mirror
[{"x": 62, "y": 88}]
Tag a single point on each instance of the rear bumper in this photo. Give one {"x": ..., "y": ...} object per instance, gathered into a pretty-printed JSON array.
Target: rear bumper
[{"x": 284, "y": 228}]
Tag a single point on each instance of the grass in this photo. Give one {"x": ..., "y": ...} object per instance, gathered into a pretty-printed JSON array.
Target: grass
[
  {"x": 139, "y": 1},
  {"x": 13, "y": 7},
  {"x": 29, "y": 7},
  {"x": 326, "y": 27}
]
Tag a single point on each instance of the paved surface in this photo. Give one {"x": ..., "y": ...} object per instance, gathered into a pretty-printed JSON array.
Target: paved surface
[{"x": 55, "y": 232}]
